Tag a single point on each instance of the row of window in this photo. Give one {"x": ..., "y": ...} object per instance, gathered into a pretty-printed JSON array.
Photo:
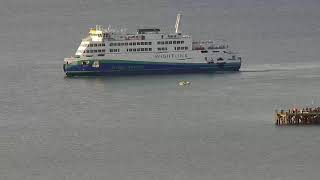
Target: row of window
[
  {"x": 134, "y": 49},
  {"x": 175, "y": 48},
  {"x": 181, "y": 48},
  {"x": 131, "y": 44},
  {"x": 170, "y": 42},
  {"x": 172, "y": 36},
  {"x": 94, "y": 45},
  {"x": 114, "y": 50},
  {"x": 95, "y": 51},
  {"x": 162, "y": 49},
  {"x": 139, "y": 49}
]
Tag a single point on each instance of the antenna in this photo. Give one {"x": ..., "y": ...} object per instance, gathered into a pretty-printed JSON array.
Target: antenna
[{"x": 178, "y": 22}]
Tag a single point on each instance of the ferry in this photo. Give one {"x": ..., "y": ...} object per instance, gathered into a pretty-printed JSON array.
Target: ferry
[{"x": 106, "y": 51}]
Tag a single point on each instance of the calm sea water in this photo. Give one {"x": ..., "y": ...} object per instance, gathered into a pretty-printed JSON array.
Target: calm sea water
[{"x": 148, "y": 127}]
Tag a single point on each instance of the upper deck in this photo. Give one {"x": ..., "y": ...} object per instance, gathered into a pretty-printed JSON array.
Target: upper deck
[{"x": 101, "y": 41}]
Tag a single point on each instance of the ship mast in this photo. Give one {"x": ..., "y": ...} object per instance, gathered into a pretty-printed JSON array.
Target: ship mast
[{"x": 178, "y": 22}]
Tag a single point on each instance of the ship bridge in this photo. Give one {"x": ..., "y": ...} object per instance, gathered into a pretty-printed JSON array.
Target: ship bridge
[{"x": 96, "y": 33}]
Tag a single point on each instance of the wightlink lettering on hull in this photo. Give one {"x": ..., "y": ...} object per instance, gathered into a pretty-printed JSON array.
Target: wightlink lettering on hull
[
  {"x": 149, "y": 50},
  {"x": 171, "y": 56}
]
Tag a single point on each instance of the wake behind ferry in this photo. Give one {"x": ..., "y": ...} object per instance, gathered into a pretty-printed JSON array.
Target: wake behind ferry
[{"x": 107, "y": 52}]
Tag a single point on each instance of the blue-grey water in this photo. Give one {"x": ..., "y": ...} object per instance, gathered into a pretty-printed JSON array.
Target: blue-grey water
[{"x": 148, "y": 127}]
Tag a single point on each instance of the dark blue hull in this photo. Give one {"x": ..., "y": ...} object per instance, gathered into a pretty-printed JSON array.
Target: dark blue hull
[{"x": 132, "y": 67}]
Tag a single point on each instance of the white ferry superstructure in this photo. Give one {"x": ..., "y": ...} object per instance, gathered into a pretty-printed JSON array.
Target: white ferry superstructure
[{"x": 107, "y": 52}]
